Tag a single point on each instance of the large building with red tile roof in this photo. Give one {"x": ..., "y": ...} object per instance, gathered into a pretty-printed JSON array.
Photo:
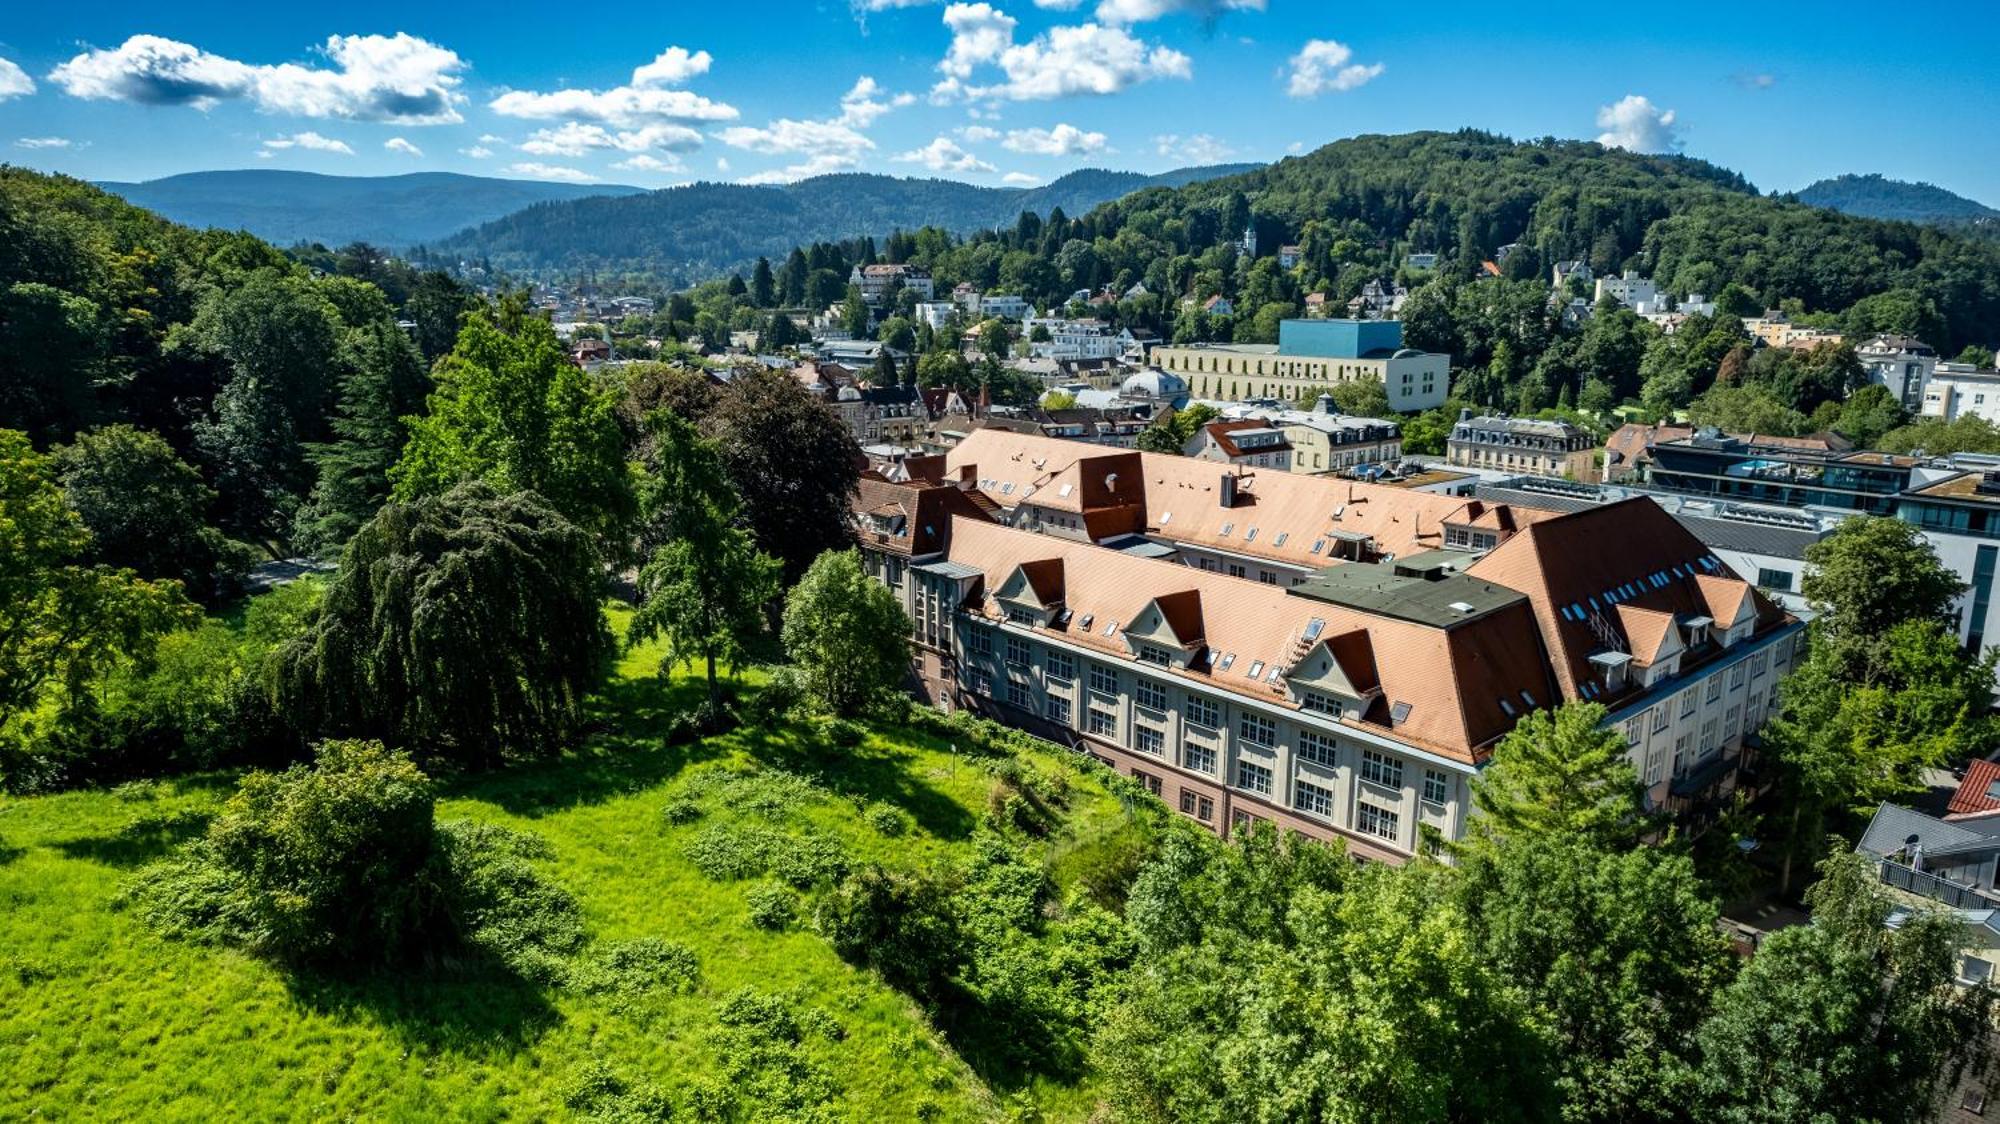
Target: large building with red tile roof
[{"x": 1356, "y": 699}]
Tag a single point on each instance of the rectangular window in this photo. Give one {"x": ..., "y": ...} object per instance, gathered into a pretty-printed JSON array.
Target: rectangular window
[
  {"x": 1103, "y": 680},
  {"x": 1736, "y": 676},
  {"x": 980, "y": 682},
  {"x": 1632, "y": 733},
  {"x": 1319, "y": 702},
  {"x": 1682, "y": 757},
  {"x": 1253, "y": 778},
  {"x": 1656, "y": 762},
  {"x": 1147, "y": 740},
  {"x": 1156, "y": 655},
  {"x": 1731, "y": 723},
  {"x": 1380, "y": 822},
  {"x": 1659, "y": 718},
  {"x": 1150, "y": 694},
  {"x": 1714, "y": 688},
  {"x": 1437, "y": 787},
  {"x": 1060, "y": 668},
  {"x": 1778, "y": 581},
  {"x": 981, "y": 641},
  {"x": 1316, "y": 748},
  {"x": 1312, "y": 798},
  {"x": 1204, "y": 712},
  {"x": 1687, "y": 702},
  {"x": 1017, "y": 695},
  {"x": 1759, "y": 664},
  {"x": 1257, "y": 730},
  {"x": 1102, "y": 722},
  {"x": 1198, "y": 757},
  {"x": 1150, "y": 781},
  {"x": 1708, "y": 737},
  {"x": 1017, "y": 652},
  {"x": 1058, "y": 709},
  {"x": 1381, "y": 769}
]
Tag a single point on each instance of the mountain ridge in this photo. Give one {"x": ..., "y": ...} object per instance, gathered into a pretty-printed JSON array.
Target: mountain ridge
[{"x": 1875, "y": 196}]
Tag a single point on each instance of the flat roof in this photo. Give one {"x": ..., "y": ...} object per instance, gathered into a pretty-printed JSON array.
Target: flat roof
[
  {"x": 1964, "y": 487},
  {"x": 1377, "y": 588}
]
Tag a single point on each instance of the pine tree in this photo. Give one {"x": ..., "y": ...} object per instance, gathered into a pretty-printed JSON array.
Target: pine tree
[{"x": 386, "y": 384}]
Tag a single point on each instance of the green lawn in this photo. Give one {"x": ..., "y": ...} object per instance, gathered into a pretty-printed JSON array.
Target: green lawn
[{"x": 102, "y": 1019}]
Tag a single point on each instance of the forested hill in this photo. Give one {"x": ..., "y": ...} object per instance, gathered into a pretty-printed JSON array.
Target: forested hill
[
  {"x": 390, "y": 211},
  {"x": 705, "y": 229},
  {"x": 1877, "y": 197}
]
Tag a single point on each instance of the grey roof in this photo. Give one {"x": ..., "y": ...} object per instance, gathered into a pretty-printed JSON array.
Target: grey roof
[
  {"x": 1893, "y": 824},
  {"x": 1377, "y": 588},
  {"x": 949, "y": 569},
  {"x": 1540, "y": 501},
  {"x": 1751, "y": 538}
]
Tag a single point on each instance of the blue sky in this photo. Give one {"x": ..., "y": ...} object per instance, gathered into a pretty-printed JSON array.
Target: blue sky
[{"x": 1006, "y": 91}]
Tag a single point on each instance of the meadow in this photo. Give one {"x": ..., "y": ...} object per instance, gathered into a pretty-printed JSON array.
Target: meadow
[{"x": 101, "y": 1018}]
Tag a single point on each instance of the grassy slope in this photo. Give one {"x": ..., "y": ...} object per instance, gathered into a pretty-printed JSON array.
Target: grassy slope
[{"x": 99, "y": 1018}]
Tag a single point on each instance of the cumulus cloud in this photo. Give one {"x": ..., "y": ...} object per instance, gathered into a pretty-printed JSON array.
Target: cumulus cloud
[
  {"x": 45, "y": 142},
  {"x": 788, "y": 136},
  {"x": 14, "y": 82},
  {"x": 1087, "y": 58},
  {"x": 554, "y": 172},
  {"x": 672, "y": 67},
  {"x": 1063, "y": 140},
  {"x": 1634, "y": 122},
  {"x": 944, "y": 155},
  {"x": 861, "y": 106},
  {"x": 1139, "y": 11},
  {"x": 398, "y": 144},
  {"x": 650, "y": 97},
  {"x": 395, "y": 78},
  {"x": 573, "y": 138},
  {"x": 477, "y": 152},
  {"x": 646, "y": 163},
  {"x": 1324, "y": 65},
  {"x": 1192, "y": 150},
  {"x": 821, "y": 164},
  {"x": 310, "y": 141},
  {"x": 1020, "y": 179}
]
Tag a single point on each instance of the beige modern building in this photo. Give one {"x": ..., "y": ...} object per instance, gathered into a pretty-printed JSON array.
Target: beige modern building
[{"x": 1311, "y": 355}]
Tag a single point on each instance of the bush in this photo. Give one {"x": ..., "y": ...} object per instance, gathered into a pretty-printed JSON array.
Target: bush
[
  {"x": 780, "y": 699},
  {"x": 843, "y": 732},
  {"x": 902, "y": 925},
  {"x": 705, "y": 719},
  {"x": 772, "y": 905},
  {"x": 639, "y": 967},
  {"x": 341, "y": 862},
  {"x": 727, "y": 852},
  {"x": 593, "y": 1092},
  {"x": 762, "y": 1043},
  {"x": 680, "y": 810},
  {"x": 887, "y": 819}
]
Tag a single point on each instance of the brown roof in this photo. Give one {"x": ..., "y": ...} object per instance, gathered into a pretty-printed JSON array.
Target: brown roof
[
  {"x": 1178, "y": 498},
  {"x": 1646, "y": 630},
  {"x": 1569, "y": 564},
  {"x": 927, "y": 510},
  {"x": 1972, "y": 795},
  {"x": 1451, "y": 679},
  {"x": 1223, "y": 434}
]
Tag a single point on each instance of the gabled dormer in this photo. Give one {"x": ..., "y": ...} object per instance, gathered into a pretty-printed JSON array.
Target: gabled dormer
[
  {"x": 1168, "y": 631},
  {"x": 1654, "y": 639},
  {"x": 1731, "y": 606},
  {"x": 1032, "y": 593},
  {"x": 1336, "y": 675}
]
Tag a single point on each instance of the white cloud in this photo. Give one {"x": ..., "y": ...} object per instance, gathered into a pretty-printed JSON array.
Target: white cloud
[
  {"x": 1020, "y": 179},
  {"x": 1058, "y": 6},
  {"x": 1062, "y": 61},
  {"x": 477, "y": 151},
  {"x": 1634, "y": 122},
  {"x": 645, "y": 163},
  {"x": 489, "y": 138},
  {"x": 863, "y": 7},
  {"x": 395, "y": 78},
  {"x": 786, "y": 135},
  {"x": 824, "y": 163},
  {"x": 45, "y": 142},
  {"x": 1756, "y": 80},
  {"x": 722, "y": 163},
  {"x": 648, "y": 98},
  {"x": 978, "y": 134},
  {"x": 673, "y": 67},
  {"x": 979, "y": 32},
  {"x": 14, "y": 82},
  {"x": 944, "y": 155},
  {"x": 554, "y": 172},
  {"x": 860, "y": 106},
  {"x": 1323, "y": 65},
  {"x": 1063, "y": 140},
  {"x": 398, "y": 144},
  {"x": 311, "y": 141},
  {"x": 572, "y": 138},
  {"x": 1139, "y": 11},
  {"x": 1194, "y": 150}
]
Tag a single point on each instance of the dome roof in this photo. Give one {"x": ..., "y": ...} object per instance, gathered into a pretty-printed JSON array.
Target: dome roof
[{"x": 1152, "y": 383}]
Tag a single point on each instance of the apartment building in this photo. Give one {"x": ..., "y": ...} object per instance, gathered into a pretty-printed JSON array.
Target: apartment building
[
  {"x": 1323, "y": 439},
  {"x": 1360, "y": 704},
  {"x": 1525, "y": 445},
  {"x": 1957, "y": 389},
  {"x": 1310, "y": 355},
  {"x": 876, "y": 282},
  {"x": 1249, "y": 443},
  {"x": 1902, "y": 364}
]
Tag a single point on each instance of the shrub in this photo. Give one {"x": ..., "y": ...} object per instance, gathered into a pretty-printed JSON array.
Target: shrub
[
  {"x": 844, "y": 732},
  {"x": 680, "y": 810},
  {"x": 594, "y": 1092},
  {"x": 772, "y": 905},
  {"x": 639, "y": 967},
  {"x": 762, "y": 1042},
  {"x": 887, "y": 819},
  {"x": 809, "y": 861},
  {"x": 782, "y": 697},
  {"x": 902, "y": 925},
  {"x": 341, "y": 862},
  {"x": 729, "y": 851}
]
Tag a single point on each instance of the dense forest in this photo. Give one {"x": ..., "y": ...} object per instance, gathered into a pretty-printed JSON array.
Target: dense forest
[
  {"x": 692, "y": 233},
  {"x": 1876, "y": 196}
]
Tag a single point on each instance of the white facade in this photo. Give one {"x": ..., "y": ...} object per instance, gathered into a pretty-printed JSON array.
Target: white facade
[
  {"x": 1672, "y": 734},
  {"x": 935, "y": 314},
  {"x": 1631, "y": 290},
  {"x": 1075, "y": 339},
  {"x": 1958, "y": 389}
]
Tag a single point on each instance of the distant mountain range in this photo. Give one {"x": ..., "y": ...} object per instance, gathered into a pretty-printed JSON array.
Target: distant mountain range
[
  {"x": 1877, "y": 197},
  {"x": 390, "y": 211},
  {"x": 705, "y": 229}
]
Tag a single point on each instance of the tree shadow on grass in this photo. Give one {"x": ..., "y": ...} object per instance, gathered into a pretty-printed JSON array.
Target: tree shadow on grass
[
  {"x": 627, "y": 753},
  {"x": 1008, "y": 1048},
  {"x": 149, "y": 835},
  {"x": 476, "y": 1007},
  {"x": 867, "y": 772}
]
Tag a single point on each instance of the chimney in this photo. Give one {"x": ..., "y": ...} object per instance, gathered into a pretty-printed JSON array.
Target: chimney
[{"x": 1228, "y": 494}]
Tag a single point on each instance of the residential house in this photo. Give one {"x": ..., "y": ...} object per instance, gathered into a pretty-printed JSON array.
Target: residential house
[
  {"x": 1955, "y": 390},
  {"x": 1902, "y": 364},
  {"x": 1218, "y": 305},
  {"x": 1637, "y": 293},
  {"x": 1248, "y": 443},
  {"x": 1527, "y": 445},
  {"x": 877, "y": 282},
  {"x": 1561, "y": 273},
  {"x": 1288, "y": 256}
]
